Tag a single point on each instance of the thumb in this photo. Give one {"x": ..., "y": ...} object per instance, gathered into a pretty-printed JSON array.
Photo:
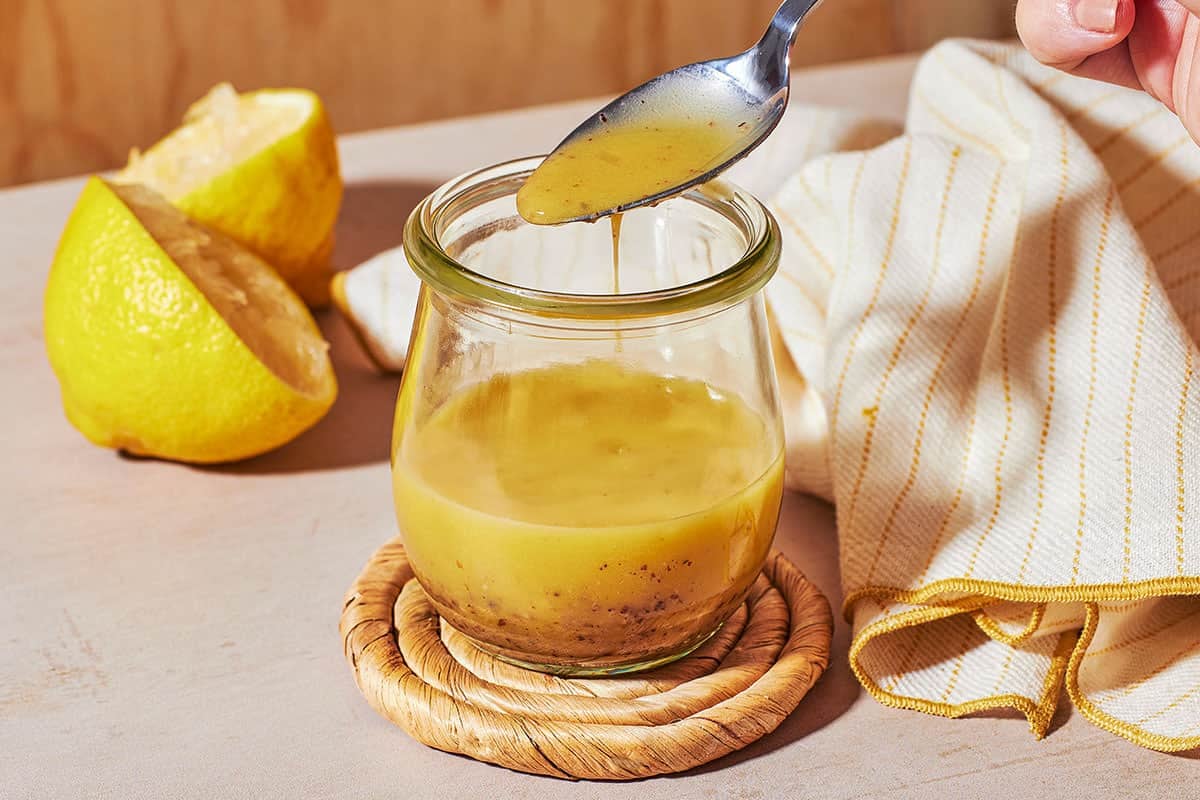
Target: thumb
[{"x": 1063, "y": 33}]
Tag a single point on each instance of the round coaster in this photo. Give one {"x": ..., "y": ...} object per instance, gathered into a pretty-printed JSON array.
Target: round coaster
[{"x": 435, "y": 684}]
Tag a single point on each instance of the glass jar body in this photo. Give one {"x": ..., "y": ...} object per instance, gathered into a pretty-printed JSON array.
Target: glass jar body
[{"x": 583, "y": 491}]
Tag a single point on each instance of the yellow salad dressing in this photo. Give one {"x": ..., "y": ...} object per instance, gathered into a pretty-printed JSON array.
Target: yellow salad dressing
[
  {"x": 585, "y": 511},
  {"x": 625, "y": 163},
  {"x": 678, "y": 130}
]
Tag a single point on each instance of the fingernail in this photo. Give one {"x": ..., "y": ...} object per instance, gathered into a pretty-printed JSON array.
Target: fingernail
[{"x": 1098, "y": 16}]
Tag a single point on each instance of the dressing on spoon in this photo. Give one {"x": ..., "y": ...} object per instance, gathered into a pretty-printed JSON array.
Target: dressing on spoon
[
  {"x": 677, "y": 134},
  {"x": 673, "y": 132}
]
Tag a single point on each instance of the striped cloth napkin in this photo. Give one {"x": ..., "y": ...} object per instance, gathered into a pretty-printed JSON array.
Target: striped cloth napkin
[{"x": 990, "y": 326}]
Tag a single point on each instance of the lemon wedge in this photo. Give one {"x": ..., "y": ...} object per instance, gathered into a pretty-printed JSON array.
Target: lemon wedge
[
  {"x": 260, "y": 167},
  {"x": 171, "y": 340}
]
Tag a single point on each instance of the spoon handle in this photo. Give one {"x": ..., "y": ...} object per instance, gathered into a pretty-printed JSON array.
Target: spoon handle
[{"x": 785, "y": 23}]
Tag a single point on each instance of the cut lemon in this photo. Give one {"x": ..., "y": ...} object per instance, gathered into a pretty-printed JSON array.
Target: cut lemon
[
  {"x": 171, "y": 340},
  {"x": 260, "y": 167}
]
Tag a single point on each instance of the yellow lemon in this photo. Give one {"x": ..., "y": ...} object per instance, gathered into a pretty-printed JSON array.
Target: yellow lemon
[
  {"x": 171, "y": 340},
  {"x": 260, "y": 167}
]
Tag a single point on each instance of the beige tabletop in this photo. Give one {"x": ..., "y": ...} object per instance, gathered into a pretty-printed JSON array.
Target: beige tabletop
[{"x": 169, "y": 631}]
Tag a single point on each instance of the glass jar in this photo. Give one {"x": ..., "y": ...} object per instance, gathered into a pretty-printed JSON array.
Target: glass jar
[{"x": 587, "y": 459}]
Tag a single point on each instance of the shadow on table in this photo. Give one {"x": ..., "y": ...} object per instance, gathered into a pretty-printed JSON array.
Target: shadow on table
[
  {"x": 1062, "y": 714},
  {"x": 358, "y": 429},
  {"x": 372, "y": 218},
  {"x": 807, "y": 536}
]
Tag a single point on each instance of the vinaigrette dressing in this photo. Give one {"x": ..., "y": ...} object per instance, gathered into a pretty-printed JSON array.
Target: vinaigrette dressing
[{"x": 579, "y": 511}]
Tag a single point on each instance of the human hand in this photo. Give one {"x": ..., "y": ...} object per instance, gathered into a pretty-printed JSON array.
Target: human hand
[{"x": 1152, "y": 45}]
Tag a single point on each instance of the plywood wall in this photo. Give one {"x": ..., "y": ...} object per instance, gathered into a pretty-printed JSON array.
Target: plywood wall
[{"x": 81, "y": 81}]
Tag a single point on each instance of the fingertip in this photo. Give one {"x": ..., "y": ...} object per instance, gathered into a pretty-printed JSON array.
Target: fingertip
[
  {"x": 1097, "y": 16},
  {"x": 1062, "y": 33},
  {"x": 1126, "y": 11}
]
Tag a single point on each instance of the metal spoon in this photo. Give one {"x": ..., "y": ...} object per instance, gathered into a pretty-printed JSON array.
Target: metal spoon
[{"x": 752, "y": 85}]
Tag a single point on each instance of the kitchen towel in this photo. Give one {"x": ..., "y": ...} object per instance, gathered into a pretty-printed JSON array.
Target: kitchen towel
[{"x": 991, "y": 322}]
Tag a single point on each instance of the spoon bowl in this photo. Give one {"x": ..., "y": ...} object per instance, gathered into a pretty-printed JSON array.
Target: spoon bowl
[{"x": 724, "y": 108}]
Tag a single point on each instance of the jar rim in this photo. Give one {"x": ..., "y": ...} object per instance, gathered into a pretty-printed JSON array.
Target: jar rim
[{"x": 442, "y": 272}]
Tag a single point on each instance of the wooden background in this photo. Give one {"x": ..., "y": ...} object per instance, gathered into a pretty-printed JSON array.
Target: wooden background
[{"x": 81, "y": 81}]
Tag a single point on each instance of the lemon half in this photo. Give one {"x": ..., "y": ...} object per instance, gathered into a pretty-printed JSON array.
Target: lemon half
[
  {"x": 171, "y": 340},
  {"x": 260, "y": 167}
]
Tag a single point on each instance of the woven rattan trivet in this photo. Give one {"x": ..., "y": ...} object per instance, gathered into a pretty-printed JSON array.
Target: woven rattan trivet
[{"x": 432, "y": 682}]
